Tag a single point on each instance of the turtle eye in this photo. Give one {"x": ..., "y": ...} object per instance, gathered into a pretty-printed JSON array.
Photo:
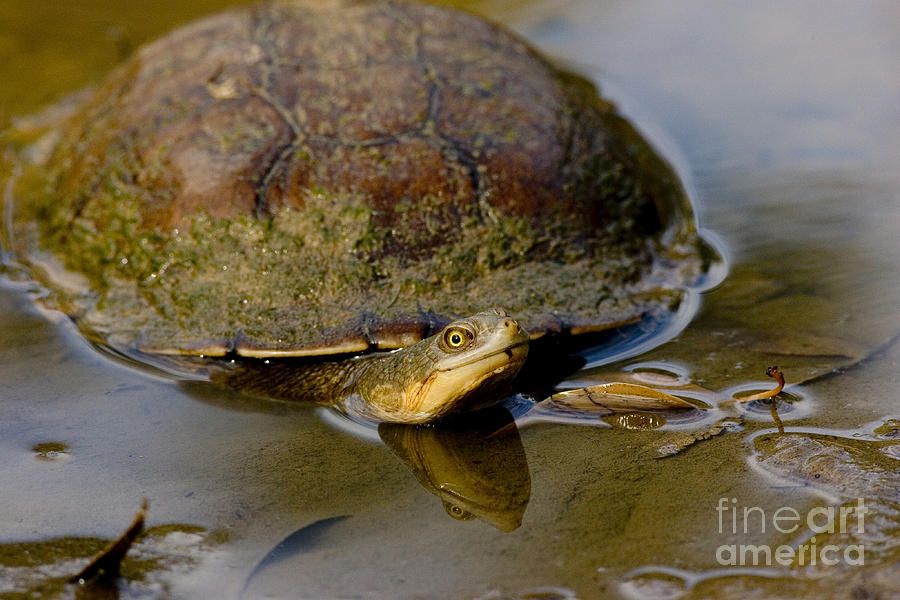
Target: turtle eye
[
  {"x": 458, "y": 512},
  {"x": 457, "y": 338}
]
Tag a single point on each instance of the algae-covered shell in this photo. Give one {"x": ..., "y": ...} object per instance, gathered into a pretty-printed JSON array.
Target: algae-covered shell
[{"x": 303, "y": 178}]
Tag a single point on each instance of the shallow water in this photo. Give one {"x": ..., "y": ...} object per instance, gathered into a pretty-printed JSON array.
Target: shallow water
[{"x": 781, "y": 117}]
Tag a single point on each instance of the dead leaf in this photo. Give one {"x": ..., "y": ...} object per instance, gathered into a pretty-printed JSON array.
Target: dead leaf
[
  {"x": 618, "y": 396},
  {"x": 679, "y": 441}
]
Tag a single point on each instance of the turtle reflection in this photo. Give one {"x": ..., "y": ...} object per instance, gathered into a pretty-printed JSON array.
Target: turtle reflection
[
  {"x": 477, "y": 467},
  {"x": 475, "y": 464}
]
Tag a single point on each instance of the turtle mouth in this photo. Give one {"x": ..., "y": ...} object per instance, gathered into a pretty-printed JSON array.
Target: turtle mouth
[{"x": 508, "y": 350}]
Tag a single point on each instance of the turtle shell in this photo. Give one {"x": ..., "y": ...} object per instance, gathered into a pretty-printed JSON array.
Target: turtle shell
[{"x": 312, "y": 178}]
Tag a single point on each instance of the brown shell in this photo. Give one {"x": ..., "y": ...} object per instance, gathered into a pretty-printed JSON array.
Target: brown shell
[{"x": 367, "y": 170}]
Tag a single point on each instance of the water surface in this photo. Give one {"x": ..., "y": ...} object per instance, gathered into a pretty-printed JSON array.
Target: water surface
[{"x": 782, "y": 119}]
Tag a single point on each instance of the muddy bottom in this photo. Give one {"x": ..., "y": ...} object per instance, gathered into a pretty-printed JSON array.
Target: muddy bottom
[{"x": 784, "y": 125}]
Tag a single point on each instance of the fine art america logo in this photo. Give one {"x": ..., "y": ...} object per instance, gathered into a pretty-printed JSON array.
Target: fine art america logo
[{"x": 735, "y": 520}]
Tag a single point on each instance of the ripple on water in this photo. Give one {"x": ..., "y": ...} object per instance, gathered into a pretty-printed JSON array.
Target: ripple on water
[
  {"x": 536, "y": 593},
  {"x": 789, "y": 406},
  {"x": 658, "y": 583}
]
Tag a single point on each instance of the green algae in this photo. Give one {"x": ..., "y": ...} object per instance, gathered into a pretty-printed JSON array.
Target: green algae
[
  {"x": 285, "y": 280},
  {"x": 30, "y": 569}
]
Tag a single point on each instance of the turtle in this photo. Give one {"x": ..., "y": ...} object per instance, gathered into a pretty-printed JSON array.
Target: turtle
[{"x": 308, "y": 181}]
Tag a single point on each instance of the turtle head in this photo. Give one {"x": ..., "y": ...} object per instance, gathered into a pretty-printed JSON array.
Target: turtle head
[
  {"x": 463, "y": 367},
  {"x": 472, "y": 358}
]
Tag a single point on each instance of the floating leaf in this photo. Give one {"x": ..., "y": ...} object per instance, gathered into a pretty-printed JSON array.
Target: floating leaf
[
  {"x": 661, "y": 381},
  {"x": 619, "y": 396}
]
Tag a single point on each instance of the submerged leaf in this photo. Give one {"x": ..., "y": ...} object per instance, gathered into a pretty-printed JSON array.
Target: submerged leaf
[
  {"x": 106, "y": 565},
  {"x": 679, "y": 441},
  {"x": 299, "y": 542}
]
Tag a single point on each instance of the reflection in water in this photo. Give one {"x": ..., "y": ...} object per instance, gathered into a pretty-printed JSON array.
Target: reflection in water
[
  {"x": 635, "y": 420},
  {"x": 477, "y": 466}
]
